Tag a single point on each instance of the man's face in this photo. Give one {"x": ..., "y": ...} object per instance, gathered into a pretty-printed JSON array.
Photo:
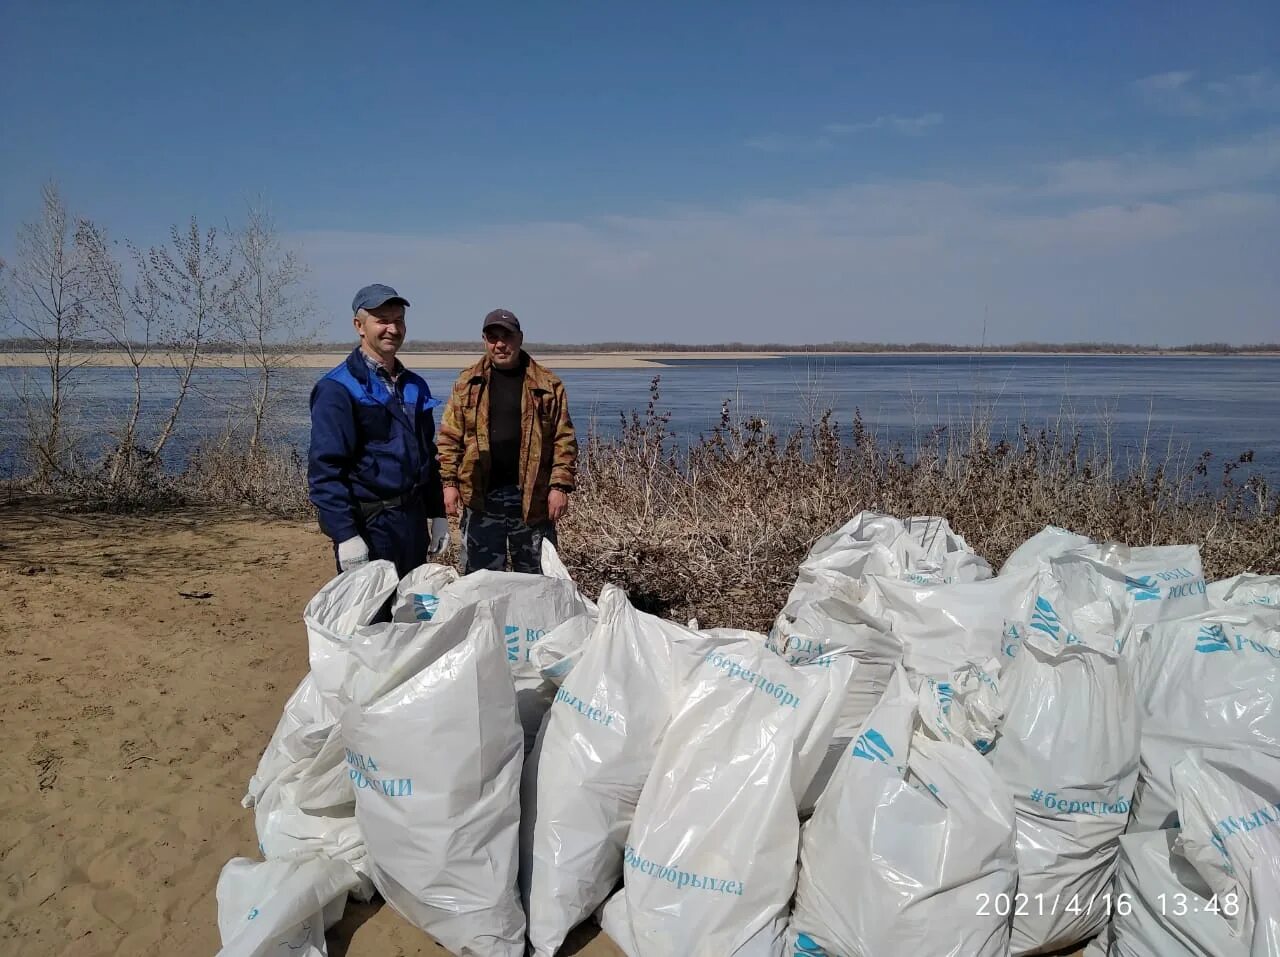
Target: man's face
[
  {"x": 503, "y": 346},
  {"x": 381, "y": 330}
]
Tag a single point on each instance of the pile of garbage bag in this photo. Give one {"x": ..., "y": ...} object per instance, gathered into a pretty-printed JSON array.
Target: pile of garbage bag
[{"x": 921, "y": 757}]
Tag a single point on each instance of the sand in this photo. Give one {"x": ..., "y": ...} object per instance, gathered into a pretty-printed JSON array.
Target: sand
[{"x": 145, "y": 664}]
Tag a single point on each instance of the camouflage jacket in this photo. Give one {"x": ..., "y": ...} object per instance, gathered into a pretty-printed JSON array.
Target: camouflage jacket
[{"x": 548, "y": 445}]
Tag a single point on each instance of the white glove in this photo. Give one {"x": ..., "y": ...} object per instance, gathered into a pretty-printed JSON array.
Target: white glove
[
  {"x": 439, "y": 536},
  {"x": 352, "y": 553}
]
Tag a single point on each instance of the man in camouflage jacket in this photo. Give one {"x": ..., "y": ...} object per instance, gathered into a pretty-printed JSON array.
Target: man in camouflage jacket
[{"x": 507, "y": 451}]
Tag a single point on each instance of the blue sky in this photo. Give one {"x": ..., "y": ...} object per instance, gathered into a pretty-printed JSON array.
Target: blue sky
[{"x": 691, "y": 172}]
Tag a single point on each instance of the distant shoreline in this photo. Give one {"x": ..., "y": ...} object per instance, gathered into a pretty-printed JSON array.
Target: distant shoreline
[{"x": 629, "y": 359}]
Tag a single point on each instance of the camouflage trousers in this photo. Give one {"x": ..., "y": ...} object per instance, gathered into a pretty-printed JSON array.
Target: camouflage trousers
[{"x": 487, "y": 536}]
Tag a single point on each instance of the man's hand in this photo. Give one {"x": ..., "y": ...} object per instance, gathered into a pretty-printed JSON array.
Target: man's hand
[
  {"x": 452, "y": 500},
  {"x": 352, "y": 553},
  {"x": 557, "y": 504},
  {"x": 439, "y": 536}
]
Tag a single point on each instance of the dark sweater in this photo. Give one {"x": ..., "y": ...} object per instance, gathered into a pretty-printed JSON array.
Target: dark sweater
[{"x": 506, "y": 389}]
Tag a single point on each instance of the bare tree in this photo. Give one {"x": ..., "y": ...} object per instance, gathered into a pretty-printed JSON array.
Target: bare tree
[
  {"x": 193, "y": 283},
  {"x": 126, "y": 314},
  {"x": 45, "y": 296},
  {"x": 272, "y": 313}
]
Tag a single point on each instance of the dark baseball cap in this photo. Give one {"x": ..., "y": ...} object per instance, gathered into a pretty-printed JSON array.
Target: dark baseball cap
[
  {"x": 501, "y": 317},
  {"x": 371, "y": 297}
]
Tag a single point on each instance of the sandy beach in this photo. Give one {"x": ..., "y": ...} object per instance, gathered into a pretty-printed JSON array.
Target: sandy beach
[
  {"x": 414, "y": 360},
  {"x": 562, "y": 361},
  {"x": 146, "y": 661}
]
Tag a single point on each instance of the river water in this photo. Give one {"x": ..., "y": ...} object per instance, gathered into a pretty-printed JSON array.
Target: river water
[{"x": 1175, "y": 406}]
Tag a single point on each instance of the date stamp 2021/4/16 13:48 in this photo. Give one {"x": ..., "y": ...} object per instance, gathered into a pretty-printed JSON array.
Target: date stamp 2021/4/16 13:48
[{"x": 1167, "y": 905}]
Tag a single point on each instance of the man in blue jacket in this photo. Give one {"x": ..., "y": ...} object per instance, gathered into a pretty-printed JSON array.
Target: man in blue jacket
[{"x": 372, "y": 467}]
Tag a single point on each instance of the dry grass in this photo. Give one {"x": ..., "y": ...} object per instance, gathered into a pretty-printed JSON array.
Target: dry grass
[{"x": 718, "y": 530}]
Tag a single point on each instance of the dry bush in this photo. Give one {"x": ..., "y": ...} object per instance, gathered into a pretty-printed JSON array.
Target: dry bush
[
  {"x": 230, "y": 472},
  {"x": 223, "y": 473},
  {"x": 717, "y": 530}
]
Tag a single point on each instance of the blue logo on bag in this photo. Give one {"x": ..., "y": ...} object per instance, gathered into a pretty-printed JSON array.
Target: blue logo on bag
[
  {"x": 1142, "y": 589},
  {"x": 872, "y": 746},
  {"x": 424, "y": 606},
  {"x": 1045, "y": 619},
  {"x": 1212, "y": 638},
  {"x": 512, "y": 635},
  {"x": 806, "y": 946}
]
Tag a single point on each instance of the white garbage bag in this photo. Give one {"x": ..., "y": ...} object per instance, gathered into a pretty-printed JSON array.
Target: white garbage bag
[
  {"x": 1050, "y": 542},
  {"x": 921, "y": 549},
  {"x": 1209, "y": 681},
  {"x": 711, "y": 855},
  {"x": 1159, "y": 581},
  {"x": 867, "y": 526},
  {"x": 350, "y": 600},
  {"x": 433, "y": 748},
  {"x": 945, "y": 627},
  {"x": 1265, "y": 909},
  {"x": 814, "y": 630},
  {"x": 280, "y": 908},
  {"x": 1160, "y": 906},
  {"x": 418, "y": 594},
  {"x": 594, "y": 754},
  {"x": 302, "y": 801},
  {"x": 1068, "y": 750},
  {"x": 1246, "y": 589},
  {"x": 527, "y": 607},
  {"x": 943, "y": 555},
  {"x": 911, "y": 848},
  {"x": 1229, "y": 812},
  {"x": 298, "y": 737},
  {"x": 561, "y": 648},
  {"x": 811, "y": 631}
]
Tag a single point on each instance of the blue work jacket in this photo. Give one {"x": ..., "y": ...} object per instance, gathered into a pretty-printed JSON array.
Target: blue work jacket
[{"x": 370, "y": 446}]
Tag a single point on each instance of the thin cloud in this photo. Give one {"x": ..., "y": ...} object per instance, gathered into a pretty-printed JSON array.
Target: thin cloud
[
  {"x": 831, "y": 133},
  {"x": 780, "y": 143},
  {"x": 906, "y": 125},
  {"x": 1172, "y": 247},
  {"x": 1247, "y": 161},
  {"x": 1185, "y": 93}
]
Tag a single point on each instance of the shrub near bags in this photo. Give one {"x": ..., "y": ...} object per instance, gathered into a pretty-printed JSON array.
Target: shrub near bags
[
  {"x": 594, "y": 754},
  {"x": 711, "y": 855},
  {"x": 433, "y": 748},
  {"x": 1068, "y": 749},
  {"x": 1209, "y": 681},
  {"x": 911, "y": 848}
]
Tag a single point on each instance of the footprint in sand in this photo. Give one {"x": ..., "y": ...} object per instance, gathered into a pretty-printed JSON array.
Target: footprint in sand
[
  {"x": 116, "y": 906},
  {"x": 46, "y": 762}
]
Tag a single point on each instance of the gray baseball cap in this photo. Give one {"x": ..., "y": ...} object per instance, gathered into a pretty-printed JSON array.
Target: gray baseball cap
[{"x": 371, "y": 297}]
